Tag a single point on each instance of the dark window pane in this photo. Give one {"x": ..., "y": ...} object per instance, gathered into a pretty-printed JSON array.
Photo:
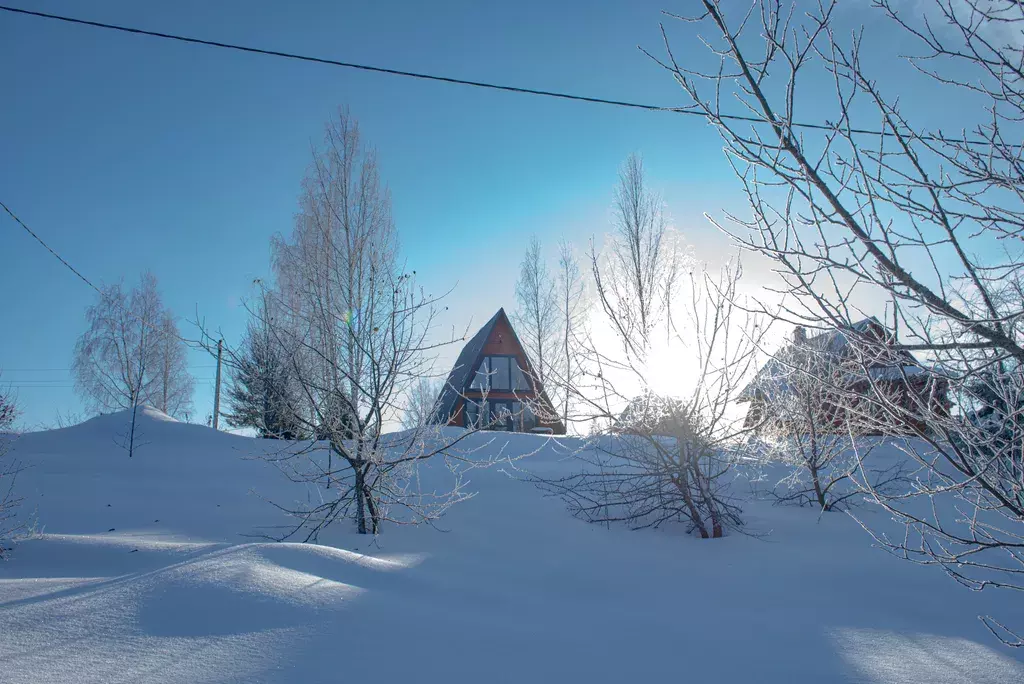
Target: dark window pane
[
  {"x": 529, "y": 419},
  {"x": 500, "y": 377},
  {"x": 501, "y": 415},
  {"x": 480, "y": 378},
  {"x": 471, "y": 412}
]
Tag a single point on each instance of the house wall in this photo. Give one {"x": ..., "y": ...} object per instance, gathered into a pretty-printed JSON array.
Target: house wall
[{"x": 832, "y": 416}]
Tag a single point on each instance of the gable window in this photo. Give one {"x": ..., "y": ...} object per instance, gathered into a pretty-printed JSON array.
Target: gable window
[
  {"x": 499, "y": 373},
  {"x": 500, "y": 414}
]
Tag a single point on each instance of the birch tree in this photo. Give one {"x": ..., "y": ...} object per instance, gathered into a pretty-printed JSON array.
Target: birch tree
[
  {"x": 536, "y": 316},
  {"x": 421, "y": 402},
  {"x": 113, "y": 357},
  {"x": 361, "y": 333},
  {"x": 173, "y": 384},
  {"x": 639, "y": 263},
  {"x": 132, "y": 353},
  {"x": 572, "y": 307}
]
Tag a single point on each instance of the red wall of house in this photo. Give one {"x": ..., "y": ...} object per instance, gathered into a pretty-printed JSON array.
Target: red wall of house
[{"x": 503, "y": 341}]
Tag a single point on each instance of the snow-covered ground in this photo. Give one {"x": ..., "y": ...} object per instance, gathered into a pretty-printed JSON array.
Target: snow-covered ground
[{"x": 144, "y": 572}]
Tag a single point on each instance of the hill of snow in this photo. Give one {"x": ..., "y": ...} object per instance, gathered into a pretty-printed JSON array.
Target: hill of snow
[{"x": 147, "y": 569}]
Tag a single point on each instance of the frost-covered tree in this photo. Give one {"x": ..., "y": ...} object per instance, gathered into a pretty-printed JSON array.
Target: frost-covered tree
[
  {"x": 536, "y": 315},
  {"x": 661, "y": 458},
  {"x": 173, "y": 385},
  {"x": 572, "y": 307},
  {"x": 421, "y": 402},
  {"x": 131, "y": 353},
  {"x": 360, "y": 333},
  {"x": 807, "y": 410},
  {"x": 639, "y": 262},
  {"x": 927, "y": 222}
]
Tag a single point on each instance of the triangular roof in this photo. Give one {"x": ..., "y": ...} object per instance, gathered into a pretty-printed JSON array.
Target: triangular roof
[
  {"x": 464, "y": 366},
  {"x": 469, "y": 358},
  {"x": 835, "y": 344}
]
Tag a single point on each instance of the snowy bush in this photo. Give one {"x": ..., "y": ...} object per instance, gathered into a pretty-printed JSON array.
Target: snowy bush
[{"x": 661, "y": 468}]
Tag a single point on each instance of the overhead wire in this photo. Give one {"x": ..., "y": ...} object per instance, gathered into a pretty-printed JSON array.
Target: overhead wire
[
  {"x": 394, "y": 72},
  {"x": 689, "y": 111},
  {"x": 103, "y": 295}
]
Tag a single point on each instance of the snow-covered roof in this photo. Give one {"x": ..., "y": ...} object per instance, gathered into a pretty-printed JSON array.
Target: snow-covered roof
[{"x": 832, "y": 345}]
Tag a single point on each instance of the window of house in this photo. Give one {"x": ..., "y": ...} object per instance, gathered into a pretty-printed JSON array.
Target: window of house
[
  {"x": 480, "y": 378},
  {"x": 500, "y": 373},
  {"x": 501, "y": 376},
  {"x": 474, "y": 412},
  {"x": 528, "y": 418},
  {"x": 521, "y": 381}
]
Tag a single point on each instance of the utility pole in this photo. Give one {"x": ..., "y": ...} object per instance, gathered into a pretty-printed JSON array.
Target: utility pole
[{"x": 216, "y": 389}]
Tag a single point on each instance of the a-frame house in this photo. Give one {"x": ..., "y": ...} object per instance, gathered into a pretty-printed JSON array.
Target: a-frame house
[{"x": 493, "y": 386}]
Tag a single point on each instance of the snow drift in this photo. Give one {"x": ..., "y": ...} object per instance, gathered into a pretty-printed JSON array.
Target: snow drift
[{"x": 153, "y": 569}]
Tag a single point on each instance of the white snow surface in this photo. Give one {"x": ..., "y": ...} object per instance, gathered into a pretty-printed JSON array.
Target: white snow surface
[{"x": 143, "y": 573}]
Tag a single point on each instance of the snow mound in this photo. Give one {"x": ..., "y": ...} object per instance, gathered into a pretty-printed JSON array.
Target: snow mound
[{"x": 155, "y": 568}]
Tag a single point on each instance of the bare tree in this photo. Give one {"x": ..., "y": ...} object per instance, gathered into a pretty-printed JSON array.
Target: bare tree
[
  {"x": 660, "y": 458},
  {"x": 572, "y": 306},
  {"x": 173, "y": 384},
  {"x": 668, "y": 458},
  {"x": 112, "y": 355},
  {"x": 10, "y": 526},
  {"x": 807, "y": 408},
  {"x": 639, "y": 261},
  {"x": 536, "y": 316},
  {"x": 421, "y": 402},
  {"x": 131, "y": 354},
  {"x": 361, "y": 335},
  {"x": 926, "y": 220}
]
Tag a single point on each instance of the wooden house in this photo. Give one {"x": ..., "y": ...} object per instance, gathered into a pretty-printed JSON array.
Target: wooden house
[
  {"x": 849, "y": 363},
  {"x": 493, "y": 386}
]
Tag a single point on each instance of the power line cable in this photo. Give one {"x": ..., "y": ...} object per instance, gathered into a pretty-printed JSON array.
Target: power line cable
[
  {"x": 461, "y": 81},
  {"x": 88, "y": 282},
  {"x": 48, "y": 248}
]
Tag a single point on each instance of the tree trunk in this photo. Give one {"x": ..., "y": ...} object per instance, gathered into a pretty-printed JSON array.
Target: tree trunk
[
  {"x": 374, "y": 512},
  {"x": 131, "y": 435},
  {"x": 360, "y": 486},
  {"x": 683, "y": 485},
  {"x": 817, "y": 487}
]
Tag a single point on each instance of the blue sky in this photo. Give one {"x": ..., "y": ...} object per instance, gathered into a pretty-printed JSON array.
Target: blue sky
[{"x": 129, "y": 153}]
